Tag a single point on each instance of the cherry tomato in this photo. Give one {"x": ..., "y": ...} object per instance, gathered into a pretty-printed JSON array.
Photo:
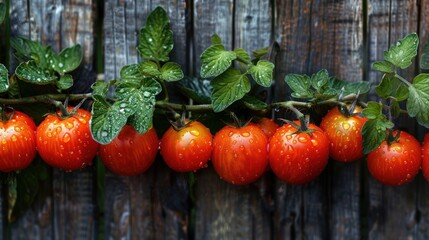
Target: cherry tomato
[
  {"x": 397, "y": 163},
  {"x": 298, "y": 157},
  {"x": 18, "y": 142},
  {"x": 240, "y": 154},
  {"x": 425, "y": 155},
  {"x": 268, "y": 126},
  {"x": 344, "y": 134},
  {"x": 130, "y": 153},
  {"x": 66, "y": 143},
  {"x": 187, "y": 149}
]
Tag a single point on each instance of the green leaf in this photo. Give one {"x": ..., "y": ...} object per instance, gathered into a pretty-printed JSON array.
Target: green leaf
[
  {"x": 2, "y": 12},
  {"x": 418, "y": 100},
  {"x": 402, "y": 54},
  {"x": 260, "y": 52},
  {"x": 156, "y": 37},
  {"x": 14, "y": 90},
  {"x": 171, "y": 71},
  {"x": 68, "y": 60},
  {"x": 373, "y": 110},
  {"x": 4, "y": 79},
  {"x": 216, "y": 39},
  {"x": 229, "y": 87},
  {"x": 27, "y": 49},
  {"x": 374, "y": 133},
  {"x": 149, "y": 68},
  {"x": 216, "y": 60},
  {"x": 242, "y": 55},
  {"x": 392, "y": 87},
  {"x": 319, "y": 79},
  {"x": 197, "y": 89},
  {"x": 65, "y": 82},
  {"x": 262, "y": 72},
  {"x": 32, "y": 73},
  {"x": 108, "y": 120},
  {"x": 100, "y": 89},
  {"x": 383, "y": 66},
  {"x": 254, "y": 103},
  {"x": 300, "y": 85},
  {"x": 348, "y": 88},
  {"x": 424, "y": 58}
]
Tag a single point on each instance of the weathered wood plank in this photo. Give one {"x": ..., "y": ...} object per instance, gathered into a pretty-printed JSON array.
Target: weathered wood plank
[
  {"x": 391, "y": 210},
  {"x": 152, "y": 205}
]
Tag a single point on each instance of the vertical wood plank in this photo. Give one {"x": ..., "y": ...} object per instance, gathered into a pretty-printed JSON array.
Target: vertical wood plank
[
  {"x": 225, "y": 211},
  {"x": 391, "y": 210},
  {"x": 153, "y": 205}
]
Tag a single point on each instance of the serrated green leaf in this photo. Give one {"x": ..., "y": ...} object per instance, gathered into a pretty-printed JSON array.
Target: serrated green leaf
[
  {"x": 65, "y": 82},
  {"x": 216, "y": 60},
  {"x": 402, "y": 54},
  {"x": 14, "y": 90},
  {"x": 383, "y": 66},
  {"x": 374, "y": 133},
  {"x": 68, "y": 59},
  {"x": 149, "y": 68},
  {"x": 4, "y": 79},
  {"x": 242, "y": 55},
  {"x": 216, "y": 39},
  {"x": 347, "y": 88},
  {"x": 319, "y": 79},
  {"x": 2, "y": 12},
  {"x": 131, "y": 75},
  {"x": 100, "y": 89},
  {"x": 30, "y": 72},
  {"x": 373, "y": 110},
  {"x": 108, "y": 120},
  {"x": 156, "y": 37},
  {"x": 262, "y": 72},
  {"x": 26, "y": 49},
  {"x": 300, "y": 85},
  {"x": 418, "y": 100},
  {"x": 392, "y": 87},
  {"x": 197, "y": 89},
  {"x": 171, "y": 72},
  {"x": 254, "y": 103},
  {"x": 260, "y": 52},
  {"x": 228, "y": 87}
]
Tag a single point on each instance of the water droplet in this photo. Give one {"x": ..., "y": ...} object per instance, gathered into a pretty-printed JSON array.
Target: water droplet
[
  {"x": 235, "y": 155},
  {"x": 103, "y": 134},
  {"x": 245, "y": 134},
  {"x": 230, "y": 134},
  {"x": 69, "y": 125},
  {"x": 241, "y": 147},
  {"x": 302, "y": 139},
  {"x": 307, "y": 159},
  {"x": 180, "y": 155},
  {"x": 146, "y": 94},
  {"x": 62, "y": 147},
  {"x": 4, "y": 141},
  {"x": 289, "y": 137},
  {"x": 17, "y": 129},
  {"x": 14, "y": 138},
  {"x": 150, "y": 39},
  {"x": 234, "y": 142},
  {"x": 315, "y": 143},
  {"x": 60, "y": 65},
  {"x": 195, "y": 133},
  {"x": 251, "y": 141},
  {"x": 66, "y": 138},
  {"x": 346, "y": 126},
  {"x": 408, "y": 176}
]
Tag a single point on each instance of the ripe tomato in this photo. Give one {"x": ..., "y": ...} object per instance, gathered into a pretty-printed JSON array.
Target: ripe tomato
[
  {"x": 188, "y": 149},
  {"x": 240, "y": 154},
  {"x": 298, "y": 157},
  {"x": 397, "y": 163},
  {"x": 425, "y": 156},
  {"x": 66, "y": 143},
  {"x": 18, "y": 142},
  {"x": 268, "y": 126},
  {"x": 344, "y": 134},
  {"x": 130, "y": 153}
]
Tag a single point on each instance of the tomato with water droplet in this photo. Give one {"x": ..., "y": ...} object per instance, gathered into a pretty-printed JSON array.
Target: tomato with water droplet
[
  {"x": 396, "y": 163},
  {"x": 130, "y": 153},
  {"x": 298, "y": 157},
  {"x": 17, "y": 141},
  {"x": 188, "y": 148},
  {"x": 63, "y": 142},
  {"x": 246, "y": 160}
]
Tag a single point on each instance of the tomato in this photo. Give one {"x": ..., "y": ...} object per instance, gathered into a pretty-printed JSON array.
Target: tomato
[
  {"x": 240, "y": 154},
  {"x": 18, "y": 142},
  {"x": 298, "y": 157},
  {"x": 397, "y": 163},
  {"x": 66, "y": 143},
  {"x": 130, "y": 153},
  {"x": 344, "y": 134},
  {"x": 425, "y": 156},
  {"x": 188, "y": 149},
  {"x": 268, "y": 126}
]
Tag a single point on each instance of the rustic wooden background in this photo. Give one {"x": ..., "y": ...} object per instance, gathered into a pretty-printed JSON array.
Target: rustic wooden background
[{"x": 343, "y": 36}]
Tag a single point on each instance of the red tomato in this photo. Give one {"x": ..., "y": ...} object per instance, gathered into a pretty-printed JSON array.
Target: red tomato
[
  {"x": 18, "y": 142},
  {"x": 188, "y": 149},
  {"x": 130, "y": 153},
  {"x": 298, "y": 157},
  {"x": 268, "y": 126},
  {"x": 425, "y": 155},
  {"x": 344, "y": 134},
  {"x": 397, "y": 163},
  {"x": 66, "y": 143},
  {"x": 240, "y": 154}
]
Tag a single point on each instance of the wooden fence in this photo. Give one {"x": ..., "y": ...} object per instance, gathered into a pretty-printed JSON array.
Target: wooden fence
[{"x": 343, "y": 36}]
